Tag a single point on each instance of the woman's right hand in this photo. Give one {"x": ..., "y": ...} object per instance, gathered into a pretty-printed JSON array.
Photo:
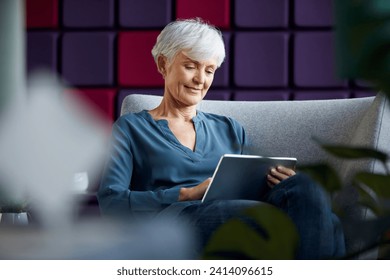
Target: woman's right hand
[
  {"x": 194, "y": 193},
  {"x": 278, "y": 174}
]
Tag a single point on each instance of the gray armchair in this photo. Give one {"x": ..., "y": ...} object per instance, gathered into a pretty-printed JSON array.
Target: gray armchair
[{"x": 287, "y": 128}]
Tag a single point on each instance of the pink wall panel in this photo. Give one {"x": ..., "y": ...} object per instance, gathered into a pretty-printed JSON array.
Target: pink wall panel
[
  {"x": 136, "y": 66},
  {"x": 102, "y": 101},
  {"x": 42, "y": 13},
  {"x": 216, "y": 11}
]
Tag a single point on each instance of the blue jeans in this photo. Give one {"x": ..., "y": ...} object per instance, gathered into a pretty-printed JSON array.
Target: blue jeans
[
  {"x": 308, "y": 206},
  {"x": 320, "y": 231}
]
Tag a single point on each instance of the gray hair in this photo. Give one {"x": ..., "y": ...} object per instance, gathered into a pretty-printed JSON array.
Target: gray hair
[{"x": 199, "y": 39}]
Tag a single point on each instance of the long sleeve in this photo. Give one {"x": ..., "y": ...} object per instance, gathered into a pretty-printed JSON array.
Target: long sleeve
[{"x": 115, "y": 196}]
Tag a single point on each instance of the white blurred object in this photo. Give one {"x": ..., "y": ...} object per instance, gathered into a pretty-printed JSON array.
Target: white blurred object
[
  {"x": 46, "y": 140},
  {"x": 102, "y": 239},
  {"x": 80, "y": 182},
  {"x": 14, "y": 219}
]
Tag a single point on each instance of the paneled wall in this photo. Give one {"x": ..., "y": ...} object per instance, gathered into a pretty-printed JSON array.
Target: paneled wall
[{"x": 276, "y": 49}]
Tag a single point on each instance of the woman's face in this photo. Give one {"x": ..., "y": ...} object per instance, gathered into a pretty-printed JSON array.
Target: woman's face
[{"x": 187, "y": 81}]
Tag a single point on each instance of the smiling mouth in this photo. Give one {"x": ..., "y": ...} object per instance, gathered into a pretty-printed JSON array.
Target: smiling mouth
[{"x": 192, "y": 88}]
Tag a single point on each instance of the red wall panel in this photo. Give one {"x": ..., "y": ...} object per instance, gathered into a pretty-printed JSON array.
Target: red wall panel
[
  {"x": 216, "y": 12},
  {"x": 136, "y": 66},
  {"x": 42, "y": 13}
]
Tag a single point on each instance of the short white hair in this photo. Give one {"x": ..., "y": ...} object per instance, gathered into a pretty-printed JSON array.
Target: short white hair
[{"x": 199, "y": 39}]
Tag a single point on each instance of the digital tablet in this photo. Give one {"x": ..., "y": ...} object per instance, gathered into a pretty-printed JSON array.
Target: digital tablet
[{"x": 243, "y": 176}]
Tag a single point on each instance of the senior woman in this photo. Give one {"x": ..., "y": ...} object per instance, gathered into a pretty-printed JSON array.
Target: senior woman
[{"x": 161, "y": 160}]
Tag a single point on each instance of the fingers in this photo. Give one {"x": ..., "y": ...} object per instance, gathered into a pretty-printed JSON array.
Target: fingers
[
  {"x": 282, "y": 172},
  {"x": 207, "y": 181},
  {"x": 199, "y": 190},
  {"x": 279, "y": 174},
  {"x": 194, "y": 193},
  {"x": 272, "y": 181}
]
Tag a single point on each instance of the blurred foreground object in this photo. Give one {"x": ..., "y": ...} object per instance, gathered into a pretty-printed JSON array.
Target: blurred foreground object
[
  {"x": 100, "y": 239},
  {"x": 44, "y": 141},
  {"x": 12, "y": 50},
  {"x": 14, "y": 219},
  {"x": 52, "y": 145},
  {"x": 363, "y": 41}
]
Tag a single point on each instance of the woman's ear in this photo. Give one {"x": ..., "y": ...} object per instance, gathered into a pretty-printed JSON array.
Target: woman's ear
[{"x": 162, "y": 64}]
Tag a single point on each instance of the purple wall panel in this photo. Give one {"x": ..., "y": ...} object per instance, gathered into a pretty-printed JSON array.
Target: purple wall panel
[
  {"x": 261, "y": 13},
  {"x": 125, "y": 92},
  {"x": 141, "y": 13},
  {"x": 215, "y": 94},
  {"x": 221, "y": 77},
  {"x": 42, "y": 51},
  {"x": 261, "y": 95},
  {"x": 317, "y": 95},
  {"x": 88, "y": 58},
  {"x": 313, "y": 12},
  {"x": 314, "y": 64},
  {"x": 88, "y": 13},
  {"x": 261, "y": 59}
]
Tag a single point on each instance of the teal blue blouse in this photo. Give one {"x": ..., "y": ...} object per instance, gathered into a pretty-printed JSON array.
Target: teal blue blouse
[{"x": 147, "y": 165}]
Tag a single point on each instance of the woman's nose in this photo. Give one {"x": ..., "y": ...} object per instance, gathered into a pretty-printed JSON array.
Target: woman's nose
[{"x": 199, "y": 77}]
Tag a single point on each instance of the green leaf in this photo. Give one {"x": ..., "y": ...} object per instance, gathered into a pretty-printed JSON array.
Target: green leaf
[
  {"x": 263, "y": 232},
  {"x": 354, "y": 152},
  {"x": 348, "y": 152},
  {"x": 324, "y": 174},
  {"x": 379, "y": 183},
  {"x": 369, "y": 199}
]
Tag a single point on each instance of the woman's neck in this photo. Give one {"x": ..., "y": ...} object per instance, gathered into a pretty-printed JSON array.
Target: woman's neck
[{"x": 170, "y": 110}]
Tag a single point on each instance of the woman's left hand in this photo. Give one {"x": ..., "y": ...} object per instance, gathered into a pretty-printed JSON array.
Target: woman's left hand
[
  {"x": 194, "y": 193},
  {"x": 278, "y": 174}
]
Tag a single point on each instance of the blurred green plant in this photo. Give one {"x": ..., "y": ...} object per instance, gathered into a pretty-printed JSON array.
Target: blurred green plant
[
  {"x": 262, "y": 232},
  {"x": 363, "y": 41},
  {"x": 373, "y": 190},
  {"x": 363, "y": 52}
]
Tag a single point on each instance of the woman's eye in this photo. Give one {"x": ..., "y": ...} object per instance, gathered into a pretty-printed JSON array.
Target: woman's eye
[{"x": 189, "y": 67}]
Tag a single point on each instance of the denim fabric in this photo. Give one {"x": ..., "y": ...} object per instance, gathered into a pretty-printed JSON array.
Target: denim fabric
[{"x": 320, "y": 231}]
